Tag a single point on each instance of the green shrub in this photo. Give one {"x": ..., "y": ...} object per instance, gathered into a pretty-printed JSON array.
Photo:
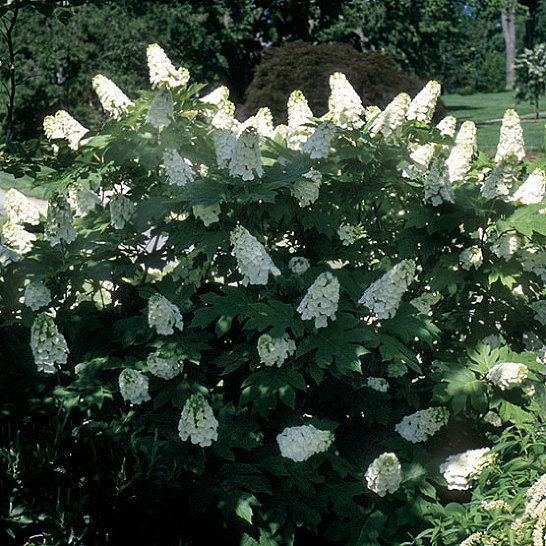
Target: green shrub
[{"x": 265, "y": 335}]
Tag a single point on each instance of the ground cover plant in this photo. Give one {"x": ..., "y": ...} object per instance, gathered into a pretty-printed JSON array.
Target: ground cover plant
[{"x": 330, "y": 331}]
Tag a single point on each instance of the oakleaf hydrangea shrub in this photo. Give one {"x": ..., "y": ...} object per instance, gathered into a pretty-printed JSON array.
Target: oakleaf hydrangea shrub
[{"x": 301, "y": 330}]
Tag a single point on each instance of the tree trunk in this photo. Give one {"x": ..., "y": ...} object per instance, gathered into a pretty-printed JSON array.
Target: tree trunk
[{"x": 508, "y": 19}]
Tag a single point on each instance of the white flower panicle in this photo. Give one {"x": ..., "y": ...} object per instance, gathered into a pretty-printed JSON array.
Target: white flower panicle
[
  {"x": 384, "y": 295},
  {"x": 301, "y": 443},
  {"x": 438, "y": 187},
  {"x": 344, "y": 104},
  {"x": 82, "y": 200},
  {"x": 121, "y": 210},
  {"x": 178, "y": 170},
  {"x": 318, "y": 144},
  {"x": 384, "y": 475},
  {"x": 63, "y": 125},
  {"x": 36, "y": 295},
  {"x": 133, "y": 386},
  {"x": 253, "y": 261},
  {"x": 348, "y": 234},
  {"x": 532, "y": 190},
  {"x": 162, "y": 70},
  {"x": 20, "y": 209},
  {"x": 461, "y": 469},
  {"x": 505, "y": 246},
  {"x": 370, "y": 112},
  {"x": 262, "y": 121},
  {"x": 246, "y": 160},
  {"x": 161, "y": 111},
  {"x": 58, "y": 226},
  {"x": 423, "y": 105},
  {"x": 460, "y": 157},
  {"x": 208, "y": 214},
  {"x": 48, "y": 345},
  {"x": 197, "y": 422},
  {"x": 112, "y": 98},
  {"x": 495, "y": 505},
  {"x": 475, "y": 539},
  {"x": 307, "y": 191},
  {"x": 391, "y": 119},
  {"x": 298, "y": 265},
  {"x": 274, "y": 351},
  {"x": 223, "y": 117},
  {"x": 507, "y": 375},
  {"x": 500, "y": 180},
  {"x": 511, "y": 146},
  {"x": 17, "y": 238},
  {"x": 422, "y": 424},
  {"x": 471, "y": 257},
  {"x": 160, "y": 366},
  {"x": 224, "y": 145},
  {"x": 163, "y": 315},
  {"x": 378, "y": 384},
  {"x": 321, "y": 300},
  {"x": 299, "y": 115}
]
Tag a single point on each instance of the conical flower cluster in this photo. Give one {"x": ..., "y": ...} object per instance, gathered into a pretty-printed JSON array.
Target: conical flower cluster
[
  {"x": 471, "y": 257},
  {"x": 82, "y": 200},
  {"x": 462, "y": 469},
  {"x": 533, "y": 190},
  {"x": 300, "y": 443},
  {"x": 510, "y": 151},
  {"x": 162, "y": 71},
  {"x": 422, "y": 424},
  {"x": 298, "y": 265},
  {"x": 511, "y": 146},
  {"x": 197, "y": 422},
  {"x": 384, "y": 474},
  {"x": 59, "y": 226},
  {"x": 121, "y": 210},
  {"x": 223, "y": 116},
  {"x": 177, "y": 169},
  {"x": 306, "y": 190},
  {"x": 225, "y": 142},
  {"x": 163, "y": 367},
  {"x": 423, "y": 105},
  {"x": 321, "y": 300},
  {"x": 133, "y": 386},
  {"x": 63, "y": 126},
  {"x": 20, "y": 209},
  {"x": 112, "y": 98},
  {"x": 163, "y": 315},
  {"x": 391, "y": 119},
  {"x": 253, "y": 261},
  {"x": 438, "y": 187},
  {"x": 344, "y": 104},
  {"x": 274, "y": 351},
  {"x": 299, "y": 115},
  {"x": 246, "y": 160},
  {"x": 17, "y": 238},
  {"x": 161, "y": 111},
  {"x": 318, "y": 144},
  {"x": 460, "y": 157},
  {"x": 36, "y": 295},
  {"x": 507, "y": 375},
  {"x": 384, "y": 295},
  {"x": 262, "y": 121},
  {"x": 48, "y": 345}
]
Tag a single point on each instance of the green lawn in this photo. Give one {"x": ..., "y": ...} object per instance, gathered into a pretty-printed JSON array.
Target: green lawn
[{"x": 483, "y": 107}]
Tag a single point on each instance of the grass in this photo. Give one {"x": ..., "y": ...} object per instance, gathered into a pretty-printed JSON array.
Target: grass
[{"x": 484, "y": 107}]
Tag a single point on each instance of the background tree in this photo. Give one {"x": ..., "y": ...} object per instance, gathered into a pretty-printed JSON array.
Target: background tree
[{"x": 531, "y": 75}]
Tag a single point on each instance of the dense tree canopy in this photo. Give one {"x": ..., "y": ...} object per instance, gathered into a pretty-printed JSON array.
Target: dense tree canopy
[{"x": 59, "y": 46}]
